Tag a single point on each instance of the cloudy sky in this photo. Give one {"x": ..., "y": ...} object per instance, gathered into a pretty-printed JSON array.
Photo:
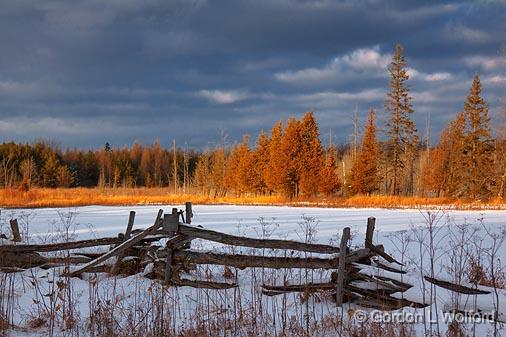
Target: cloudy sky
[{"x": 86, "y": 72}]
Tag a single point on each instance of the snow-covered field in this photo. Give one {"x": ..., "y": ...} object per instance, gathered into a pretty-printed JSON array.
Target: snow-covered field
[
  {"x": 100, "y": 221},
  {"x": 393, "y": 228}
]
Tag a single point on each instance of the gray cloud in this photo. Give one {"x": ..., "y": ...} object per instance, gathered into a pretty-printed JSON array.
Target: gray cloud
[{"x": 89, "y": 71}]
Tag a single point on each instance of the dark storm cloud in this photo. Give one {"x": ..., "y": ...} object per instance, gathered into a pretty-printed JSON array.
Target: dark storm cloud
[{"x": 86, "y": 72}]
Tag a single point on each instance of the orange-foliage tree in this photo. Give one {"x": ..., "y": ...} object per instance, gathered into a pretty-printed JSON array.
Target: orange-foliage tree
[
  {"x": 241, "y": 171},
  {"x": 260, "y": 164},
  {"x": 365, "y": 177},
  {"x": 273, "y": 175},
  {"x": 290, "y": 154},
  {"x": 443, "y": 173},
  {"x": 310, "y": 161},
  {"x": 329, "y": 183}
]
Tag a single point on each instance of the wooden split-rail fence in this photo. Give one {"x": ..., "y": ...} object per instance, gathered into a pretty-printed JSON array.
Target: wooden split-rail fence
[{"x": 366, "y": 276}]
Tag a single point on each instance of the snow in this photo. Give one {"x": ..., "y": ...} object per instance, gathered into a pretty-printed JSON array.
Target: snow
[
  {"x": 50, "y": 224},
  {"x": 100, "y": 221}
]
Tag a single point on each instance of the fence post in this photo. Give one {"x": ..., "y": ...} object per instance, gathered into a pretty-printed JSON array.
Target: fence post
[
  {"x": 131, "y": 219},
  {"x": 371, "y": 222},
  {"x": 341, "y": 272},
  {"x": 16, "y": 236},
  {"x": 188, "y": 213},
  {"x": 171, "y": 223},
  {"x": 128, "y": 233}
]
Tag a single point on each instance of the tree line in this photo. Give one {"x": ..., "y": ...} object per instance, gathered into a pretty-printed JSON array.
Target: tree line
[{"x": 469, "y": 160}]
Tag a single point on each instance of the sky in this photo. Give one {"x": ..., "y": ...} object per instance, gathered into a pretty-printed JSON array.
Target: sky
[{"x": 82, "y": 73}]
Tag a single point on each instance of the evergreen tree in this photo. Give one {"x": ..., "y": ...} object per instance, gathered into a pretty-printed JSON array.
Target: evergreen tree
[
  {"x": 478, "y": 145},
  {"x": 365, "y": 177},
  {"x": 401, "y": 129},
  {"x": 310, "y": 161}
]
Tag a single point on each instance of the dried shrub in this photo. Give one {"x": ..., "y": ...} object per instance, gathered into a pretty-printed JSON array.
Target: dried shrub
[
  {"x": 477, "y": 274},
  {"x": 36, "y": 323}
]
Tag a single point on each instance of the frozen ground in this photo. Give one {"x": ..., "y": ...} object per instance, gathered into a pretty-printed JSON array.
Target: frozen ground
[{"x": 284, "y": 222}]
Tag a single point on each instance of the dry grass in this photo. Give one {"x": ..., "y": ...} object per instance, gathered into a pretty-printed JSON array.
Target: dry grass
[{"x": 68, "y": 197}]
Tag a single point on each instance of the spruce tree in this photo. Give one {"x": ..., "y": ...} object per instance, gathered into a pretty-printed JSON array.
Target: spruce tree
[
  {"x": 401, "y": 129},
  {"x": 478, "y": 164}
]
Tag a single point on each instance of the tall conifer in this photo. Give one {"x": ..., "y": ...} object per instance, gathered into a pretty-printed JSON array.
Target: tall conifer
[
  {"x": 478, "y": 144},
  {"x": 401, "y": 129}
]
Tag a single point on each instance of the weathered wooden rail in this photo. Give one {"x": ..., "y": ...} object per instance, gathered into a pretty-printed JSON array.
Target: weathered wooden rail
[{"x": 366, "y": 276}]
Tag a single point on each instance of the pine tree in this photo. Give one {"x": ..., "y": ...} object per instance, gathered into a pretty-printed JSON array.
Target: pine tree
[
  {"x": 310, "y": 161},
  {"x": 365, "y": 176},
  {"x": 400, "y": 128},
  {"x": 478, "y": 144}
]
